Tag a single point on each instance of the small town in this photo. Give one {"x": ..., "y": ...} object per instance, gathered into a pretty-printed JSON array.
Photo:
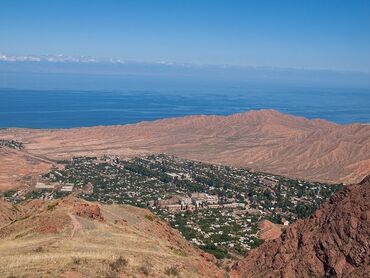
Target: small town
[{"x": 216, "y": 207}]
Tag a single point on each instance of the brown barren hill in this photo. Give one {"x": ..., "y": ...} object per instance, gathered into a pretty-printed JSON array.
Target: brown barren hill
[
  {"x": 333, "y": 242},
  {"x": 57, "y": 238},
  {"x": 264, "y": 140}
]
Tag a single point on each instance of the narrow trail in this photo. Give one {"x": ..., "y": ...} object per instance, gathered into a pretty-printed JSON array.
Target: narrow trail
[
  {"x": 76, "y": 224},
  {"x": 36, "y": 157}
]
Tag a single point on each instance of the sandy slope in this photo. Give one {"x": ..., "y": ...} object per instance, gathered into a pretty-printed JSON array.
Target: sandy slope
[
  {"x": 269, "y": 230},
  {"x": 48, "y": 242},
  {"x": 19, "y": 167},
  {"x": 265, "y": 140}
]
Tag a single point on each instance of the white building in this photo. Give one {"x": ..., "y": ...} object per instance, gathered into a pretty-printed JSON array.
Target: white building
[
  {"x": 41, "y": 185},
  {"x": 67, "y": 188}
]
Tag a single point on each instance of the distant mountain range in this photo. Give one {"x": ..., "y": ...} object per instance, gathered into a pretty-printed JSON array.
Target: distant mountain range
[
  {"x": 264, "y": 140},
  {"x": 85, "y": 65}
]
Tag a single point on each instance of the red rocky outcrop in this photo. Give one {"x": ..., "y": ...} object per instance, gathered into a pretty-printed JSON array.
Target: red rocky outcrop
[
  {"x": 88, "y": 211},
  {"x": 333, "y": 242}
]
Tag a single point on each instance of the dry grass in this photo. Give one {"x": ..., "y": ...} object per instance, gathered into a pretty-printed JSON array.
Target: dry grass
[
  {"x": 98, "y": 250},
  {"x": 172, "y": 271}
]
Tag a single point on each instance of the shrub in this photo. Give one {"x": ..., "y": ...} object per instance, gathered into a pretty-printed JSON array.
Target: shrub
[
  {"x": 179, "y": 252},
  {"x": 146, "y": 268},
  {"x": 118, "y": 264},
  {"x": 172, "y": 271},
  {"x": 52, "y": 206},
  {"x": 76, "y": 261},
  {"x": 150, "y": 217},
  {"x": 39, "y": 249}
]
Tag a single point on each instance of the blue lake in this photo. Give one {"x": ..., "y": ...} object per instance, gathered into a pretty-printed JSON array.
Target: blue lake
[{"x": 74, "y": 108}]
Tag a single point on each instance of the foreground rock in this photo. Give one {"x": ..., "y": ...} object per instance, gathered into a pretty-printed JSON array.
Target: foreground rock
[{"x": 333, "y": 242}]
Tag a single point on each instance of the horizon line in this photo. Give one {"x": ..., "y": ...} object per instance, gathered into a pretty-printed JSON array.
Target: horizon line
[{"x": 61, "y": 58}]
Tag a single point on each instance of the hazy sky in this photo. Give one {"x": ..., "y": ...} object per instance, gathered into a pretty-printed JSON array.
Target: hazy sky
[{"x": 305, "y": 34}]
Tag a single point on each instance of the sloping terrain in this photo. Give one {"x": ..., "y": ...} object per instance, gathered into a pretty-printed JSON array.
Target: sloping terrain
[
  {"x": 9, "y": 212},
  {"x": 263, "y": 140},
  {"x": 74, "y": 238},
  {"x": 18, "y": 167},
  {"x": 333, "y": 242},
  {"x": 268, "y": 230}
]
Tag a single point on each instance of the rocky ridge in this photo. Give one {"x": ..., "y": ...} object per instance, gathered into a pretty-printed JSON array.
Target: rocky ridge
[{"x": 333, "y": 242}]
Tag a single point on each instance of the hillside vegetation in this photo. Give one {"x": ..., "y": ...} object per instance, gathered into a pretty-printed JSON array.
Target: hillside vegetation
[{"x": 74, "y": 237}]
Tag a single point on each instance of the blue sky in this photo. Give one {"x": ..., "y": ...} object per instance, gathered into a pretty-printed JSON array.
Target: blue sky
[{"x": 314, "y": 34}]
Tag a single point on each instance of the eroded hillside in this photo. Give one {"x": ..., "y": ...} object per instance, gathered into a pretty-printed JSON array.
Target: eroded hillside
[
  {"x": 264, "y": 140},
  {"x": 82, "y": 239},
  {"x": 333, "y": 242}
]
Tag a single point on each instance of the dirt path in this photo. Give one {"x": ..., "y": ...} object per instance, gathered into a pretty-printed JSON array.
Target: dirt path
[{"x": 76, "y": 224}]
